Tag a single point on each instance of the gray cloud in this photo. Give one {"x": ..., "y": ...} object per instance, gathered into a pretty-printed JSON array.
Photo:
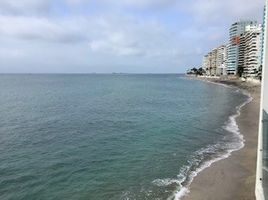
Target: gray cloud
[
  {"x": 42, "y": 29},
  {"x": 28, "y": 7},
  {"x": 138, "y": 4},
  {"x": 44, "y": 7},
  {"x": 148, "y": 4},
  {"x": 105, "y": 35},
  {"x": 221, "y": 12}
]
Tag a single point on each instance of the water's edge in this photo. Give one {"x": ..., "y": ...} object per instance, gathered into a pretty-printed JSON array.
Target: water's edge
[{"x": 231, "y": 126}]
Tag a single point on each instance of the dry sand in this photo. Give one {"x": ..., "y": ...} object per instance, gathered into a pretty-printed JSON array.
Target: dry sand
[{"x": 234, "y": 177}]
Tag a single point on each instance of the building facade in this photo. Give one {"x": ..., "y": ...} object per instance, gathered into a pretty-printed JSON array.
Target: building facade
[
  {"x": 221, "y": 60},
  {"x": 241, "y": 56},
  {"x": 205, "y": 63},
  {"x": 252, "y": 51},
  {"x": 235, "y": 32},
  {"x": 214, "y": 63}
]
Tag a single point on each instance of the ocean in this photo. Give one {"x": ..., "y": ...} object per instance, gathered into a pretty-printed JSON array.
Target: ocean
[{"x": 116, "y": 137}]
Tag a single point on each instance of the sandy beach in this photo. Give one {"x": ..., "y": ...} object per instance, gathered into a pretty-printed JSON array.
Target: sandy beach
[{"x": 233, "y": 178}]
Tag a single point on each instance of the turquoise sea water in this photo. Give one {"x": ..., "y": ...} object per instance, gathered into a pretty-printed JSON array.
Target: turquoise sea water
[{"x": 116, "y": 137}]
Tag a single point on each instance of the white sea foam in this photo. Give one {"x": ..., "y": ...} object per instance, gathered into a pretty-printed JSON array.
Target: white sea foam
[
  {"x": 179, "y": 194},
  {"x": 165, "y": 182},
  {"x": 187, "y": 174}
]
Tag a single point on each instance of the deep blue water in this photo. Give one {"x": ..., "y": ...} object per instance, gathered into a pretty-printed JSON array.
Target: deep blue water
[{"x": 109, "y": 136}]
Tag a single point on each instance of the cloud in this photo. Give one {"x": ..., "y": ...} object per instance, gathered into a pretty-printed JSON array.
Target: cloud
[
  {"x": 103, "y": 34},
  {"x": 136, "y": 4},
  {"x": 29, "y": 7},
  {"x": 85, "y": 41},
  {"x": 148, "y": 4},
  {"x": 44, "y": 7},
  {"x": 130, "y": 37},
  {"x": 36, "y": 28},
  {"x": 215, "y": 11},
  {"x": 117, "y": 44}
]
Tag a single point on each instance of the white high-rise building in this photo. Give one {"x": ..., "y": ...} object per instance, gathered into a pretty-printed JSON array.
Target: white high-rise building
[
  {"x": 214, "y": 54},
  {"x": 235, "y": 32},
  {"x": 215, "y": 61},
  {"x": 252, "y": 51},
  {"x": 221, "y": 60},
  {"x": 205, "y": 62}
]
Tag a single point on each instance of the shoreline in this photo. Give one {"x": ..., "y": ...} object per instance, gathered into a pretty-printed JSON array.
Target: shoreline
[{"x": 233, "y": 175}]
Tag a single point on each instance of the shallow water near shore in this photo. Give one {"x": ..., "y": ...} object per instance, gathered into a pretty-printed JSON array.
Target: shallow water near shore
[{"x": 111, "y": 136}]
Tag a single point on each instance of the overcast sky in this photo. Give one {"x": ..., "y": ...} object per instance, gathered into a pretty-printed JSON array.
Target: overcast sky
[{"x": 104, "y": 36}]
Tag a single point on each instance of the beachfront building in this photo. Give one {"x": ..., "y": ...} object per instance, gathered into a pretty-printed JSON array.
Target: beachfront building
[
  {"x": 235, "y": 32},
  {"x": 252, "y": 51},
  {"x": 210, "y": 64},
  {"x": 214, "y": 62},
  {"x": 261, "y": 189},
  {"x": 241, "y": 56},
  {"x": 205, "y": 63},
  {"x": 221, "y": 60}
]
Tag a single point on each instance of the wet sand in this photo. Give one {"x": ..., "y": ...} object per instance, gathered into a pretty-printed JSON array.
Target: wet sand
[{"x": 234, "y": 177}]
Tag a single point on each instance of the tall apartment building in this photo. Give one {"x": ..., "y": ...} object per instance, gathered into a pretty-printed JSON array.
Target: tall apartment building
[
  {"x": 214, "y": 62},
  {"x": 252, "y": 51},
  {"x": 241, "y": 56},
  {"x": 221, "y": 60},
  {"x": 207, "y": 64},
  {"x": 235, "y": 32}
]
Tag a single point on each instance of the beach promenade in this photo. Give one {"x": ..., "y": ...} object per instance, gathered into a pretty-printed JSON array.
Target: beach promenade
[{"x": 233, "y": 178}]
